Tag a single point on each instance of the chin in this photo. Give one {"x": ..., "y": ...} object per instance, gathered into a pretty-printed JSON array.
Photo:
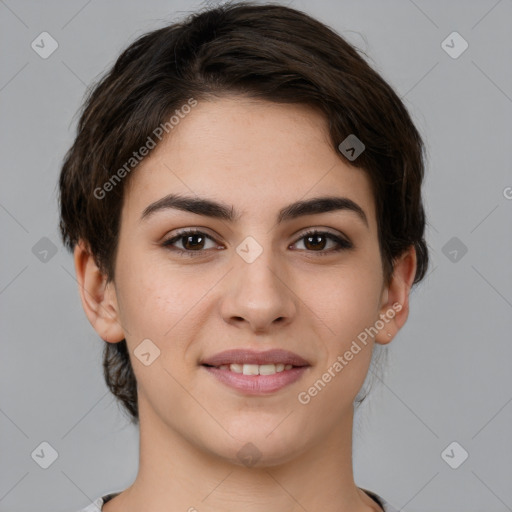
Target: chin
[{"x": 258, "y": 445}]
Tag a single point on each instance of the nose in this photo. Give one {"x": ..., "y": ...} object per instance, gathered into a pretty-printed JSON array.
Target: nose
[{"x": 258, "y": 295}]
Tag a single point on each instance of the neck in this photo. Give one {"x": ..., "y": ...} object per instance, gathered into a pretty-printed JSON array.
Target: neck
[{"x": 173, "y": 472}]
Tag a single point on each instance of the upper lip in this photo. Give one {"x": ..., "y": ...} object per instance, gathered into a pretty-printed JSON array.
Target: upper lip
[{"x": 240, "y": 356}]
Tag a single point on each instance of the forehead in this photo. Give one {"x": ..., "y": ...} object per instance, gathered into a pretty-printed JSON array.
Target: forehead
[{"x": 253, "y": 154}]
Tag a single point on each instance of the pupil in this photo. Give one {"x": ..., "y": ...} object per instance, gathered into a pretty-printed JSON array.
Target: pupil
[
  {"x": 313, "y": 237},
  {"x": 191, "y": 237}
]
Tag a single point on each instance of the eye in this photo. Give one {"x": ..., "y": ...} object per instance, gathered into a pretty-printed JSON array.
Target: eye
[
  {"x": 315, "y": 241},
  {"x": 192, "y": 240}
]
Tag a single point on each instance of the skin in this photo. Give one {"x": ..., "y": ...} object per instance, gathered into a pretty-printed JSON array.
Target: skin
[{"x": 258, "y": 157}]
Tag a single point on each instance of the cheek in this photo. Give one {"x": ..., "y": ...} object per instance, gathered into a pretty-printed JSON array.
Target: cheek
[
  {"x": 348, "y": 300},
  {"x": 348, "y": 304},
  {"x": 155, "y": 307},
  {"x": 348, "y": 307},
  {"x": 163, "y": 304},
  {"x": 150, "y": 300}
]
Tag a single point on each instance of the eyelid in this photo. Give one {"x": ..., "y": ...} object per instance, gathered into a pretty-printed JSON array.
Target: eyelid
[
  {"x": 187, "y": 231},
  {"x": 343, "y": 242},
  {"x": 322, "y": 230}
]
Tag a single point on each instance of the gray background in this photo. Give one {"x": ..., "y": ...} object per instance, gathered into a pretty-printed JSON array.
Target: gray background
[{"x": 449, "y": 374}]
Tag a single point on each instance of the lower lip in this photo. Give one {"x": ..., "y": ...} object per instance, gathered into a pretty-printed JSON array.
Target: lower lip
[{"x": 257, "y": 384}]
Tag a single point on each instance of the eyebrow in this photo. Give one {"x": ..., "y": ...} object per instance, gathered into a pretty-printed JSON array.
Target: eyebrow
[{"x": 214, "y": 209}]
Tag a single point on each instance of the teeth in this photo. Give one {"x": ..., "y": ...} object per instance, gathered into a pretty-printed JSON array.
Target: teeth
[
  {"x": 268, "y": 369},
  {"x": 255, "y": 369},
  {"x": 250, "y": 369}
]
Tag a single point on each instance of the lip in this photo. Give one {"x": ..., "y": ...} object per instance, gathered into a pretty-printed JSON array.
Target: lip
[
  {"x": 256, "y": 384},
  {"x": 244, "y": 356}
]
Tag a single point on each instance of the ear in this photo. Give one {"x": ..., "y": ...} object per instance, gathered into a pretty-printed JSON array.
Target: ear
[
  {"x": 99, "y": 299},
  {"x": 394, "y": 308}
]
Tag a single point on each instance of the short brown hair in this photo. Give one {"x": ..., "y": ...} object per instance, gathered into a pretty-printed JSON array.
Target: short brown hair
[{"x": 264, "y": 51}]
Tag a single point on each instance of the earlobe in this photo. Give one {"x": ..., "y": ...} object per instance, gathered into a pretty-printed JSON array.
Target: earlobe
[
  {"x": 395, "y": 297},
  {"x": 98, "y": 298}
]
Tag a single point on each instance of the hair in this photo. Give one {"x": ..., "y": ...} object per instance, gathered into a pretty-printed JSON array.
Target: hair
[{"x": 262, "y": 51}]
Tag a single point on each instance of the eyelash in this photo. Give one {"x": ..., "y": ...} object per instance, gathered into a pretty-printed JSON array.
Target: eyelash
[{"x": 342, "y": 243}]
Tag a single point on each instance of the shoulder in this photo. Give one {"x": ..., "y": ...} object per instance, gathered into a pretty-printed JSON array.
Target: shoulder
[
  {"x": 386, "y": 506},
  {"x": 97, "y": 504}
]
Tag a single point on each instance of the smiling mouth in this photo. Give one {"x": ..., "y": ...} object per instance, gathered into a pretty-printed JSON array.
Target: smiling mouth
[
  {"x": 254, "y": 369},
  {"x": 253, "y": 372},
  {"x": 256, "y": 379}
]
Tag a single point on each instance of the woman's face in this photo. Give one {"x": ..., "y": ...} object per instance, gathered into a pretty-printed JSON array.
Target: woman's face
[{"x": 256, "y": 282}]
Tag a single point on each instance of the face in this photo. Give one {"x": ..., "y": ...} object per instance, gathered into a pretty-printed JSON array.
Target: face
[{"x": 253, "y": 283}]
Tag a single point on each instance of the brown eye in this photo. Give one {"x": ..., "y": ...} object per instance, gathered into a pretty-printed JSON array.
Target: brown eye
[
  {"x": 312, "y": 242},
  {"x": 192, "y": 241},
  {"x": 316, "y": 241}
]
